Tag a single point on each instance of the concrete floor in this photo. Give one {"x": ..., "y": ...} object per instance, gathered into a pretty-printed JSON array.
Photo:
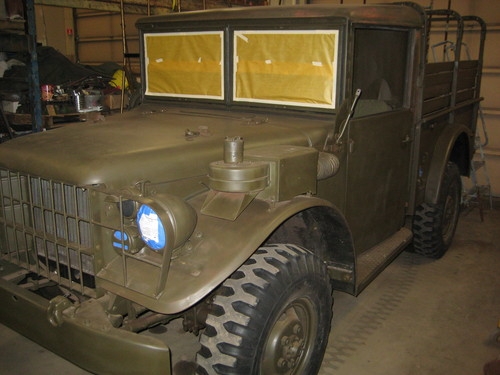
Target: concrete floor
[{"x": 429, "y": 317}]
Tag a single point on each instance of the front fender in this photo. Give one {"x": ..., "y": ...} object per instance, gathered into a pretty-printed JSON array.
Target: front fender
[
  {"x": 441, "y": 155},
  {"x": 218, "y": 247}
]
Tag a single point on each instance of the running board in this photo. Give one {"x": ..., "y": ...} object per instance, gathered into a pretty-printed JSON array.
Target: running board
[{"x": 370, "y": 263}]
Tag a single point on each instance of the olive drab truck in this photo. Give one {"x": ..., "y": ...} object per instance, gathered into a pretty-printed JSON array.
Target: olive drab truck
[{"x": 278, "y": 153}]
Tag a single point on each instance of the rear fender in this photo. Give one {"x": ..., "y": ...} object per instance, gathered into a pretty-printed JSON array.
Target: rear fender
[
  {"x": 218, "y": 247},
  {"x": 453, "y": 145}
]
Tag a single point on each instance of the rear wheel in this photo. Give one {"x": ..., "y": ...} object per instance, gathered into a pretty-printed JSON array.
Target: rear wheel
[
  {"x": 272, "y": 316},
  {"x": 434, "y": 225}
]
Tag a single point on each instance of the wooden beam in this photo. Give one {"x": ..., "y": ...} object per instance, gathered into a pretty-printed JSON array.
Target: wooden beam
[
  {"x": 138, "y": 6},
  {"x": 130, "y": 6}
]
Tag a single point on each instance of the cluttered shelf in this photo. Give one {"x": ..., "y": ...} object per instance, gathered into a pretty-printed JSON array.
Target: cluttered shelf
[{"x": 69, "y": 91}]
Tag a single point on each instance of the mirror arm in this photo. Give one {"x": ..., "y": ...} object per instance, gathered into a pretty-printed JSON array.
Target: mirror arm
[{"x": 348, "y": 118}]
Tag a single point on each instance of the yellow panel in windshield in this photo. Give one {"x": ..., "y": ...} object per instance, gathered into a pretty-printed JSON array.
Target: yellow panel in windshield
[
  {"x": 286, "y": 67},
  {"x": 184, "y": 65}
]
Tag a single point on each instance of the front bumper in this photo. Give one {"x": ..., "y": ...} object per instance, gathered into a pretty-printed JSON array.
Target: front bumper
[{"x": 82, "y": 335}]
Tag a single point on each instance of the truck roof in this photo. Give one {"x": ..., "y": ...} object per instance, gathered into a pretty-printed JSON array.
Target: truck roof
[{"x": 380, "y": 14}]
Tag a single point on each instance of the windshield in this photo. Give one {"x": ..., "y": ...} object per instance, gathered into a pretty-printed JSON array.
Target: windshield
[{"x": 282, "y": 67}]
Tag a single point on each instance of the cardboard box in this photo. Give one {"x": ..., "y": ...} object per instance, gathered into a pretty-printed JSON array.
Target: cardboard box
[{"x": 112, "y": 101}]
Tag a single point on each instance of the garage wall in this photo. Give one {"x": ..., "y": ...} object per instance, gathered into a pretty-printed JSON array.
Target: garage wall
[
  {"x": 99, "y": 36},
  {"x": 55, "y": 29},
  {"x": 490, "y": 12}
]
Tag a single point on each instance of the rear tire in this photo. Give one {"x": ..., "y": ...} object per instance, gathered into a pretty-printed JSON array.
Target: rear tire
[
  {"x": 272, "y": 316},
  {"x": 434, "y": 225}
]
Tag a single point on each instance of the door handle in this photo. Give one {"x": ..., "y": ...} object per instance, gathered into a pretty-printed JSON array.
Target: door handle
[{"x": 406, "y": 139}]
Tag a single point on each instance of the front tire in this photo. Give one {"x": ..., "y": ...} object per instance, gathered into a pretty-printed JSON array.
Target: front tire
[
  {"x": 272, "y": 316},
  {"x": 434, "y": 225}
]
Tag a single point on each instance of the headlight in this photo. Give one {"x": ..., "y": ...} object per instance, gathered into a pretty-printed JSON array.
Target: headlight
[
  {"x": 165, "y": 222},
  {"x": 152, "y": 229}
]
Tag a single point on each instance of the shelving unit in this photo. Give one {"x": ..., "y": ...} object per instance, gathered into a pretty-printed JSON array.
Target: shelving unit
[{"x": 15, "y": 39}]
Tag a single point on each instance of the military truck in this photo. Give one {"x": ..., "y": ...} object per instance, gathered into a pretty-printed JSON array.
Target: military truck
[{"x": 278, "y": 153}]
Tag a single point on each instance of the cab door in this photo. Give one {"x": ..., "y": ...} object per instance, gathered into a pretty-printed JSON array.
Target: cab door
[{"x": 378, "y": 142}]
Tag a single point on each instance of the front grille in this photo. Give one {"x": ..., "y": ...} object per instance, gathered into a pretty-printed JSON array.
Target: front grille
[{"x": 45, "y": 227}]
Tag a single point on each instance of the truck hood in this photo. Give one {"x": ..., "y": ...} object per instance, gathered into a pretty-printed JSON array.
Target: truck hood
[{"x": 152, "y": 143}]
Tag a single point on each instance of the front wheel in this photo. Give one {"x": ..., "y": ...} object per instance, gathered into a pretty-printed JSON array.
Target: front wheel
[
  {"x": 272, "y": 316},
  {"x": 434, "y": 224}
]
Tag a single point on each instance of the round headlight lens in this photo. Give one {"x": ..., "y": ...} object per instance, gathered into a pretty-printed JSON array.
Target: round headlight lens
[{"x": 151, "y": 227}]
